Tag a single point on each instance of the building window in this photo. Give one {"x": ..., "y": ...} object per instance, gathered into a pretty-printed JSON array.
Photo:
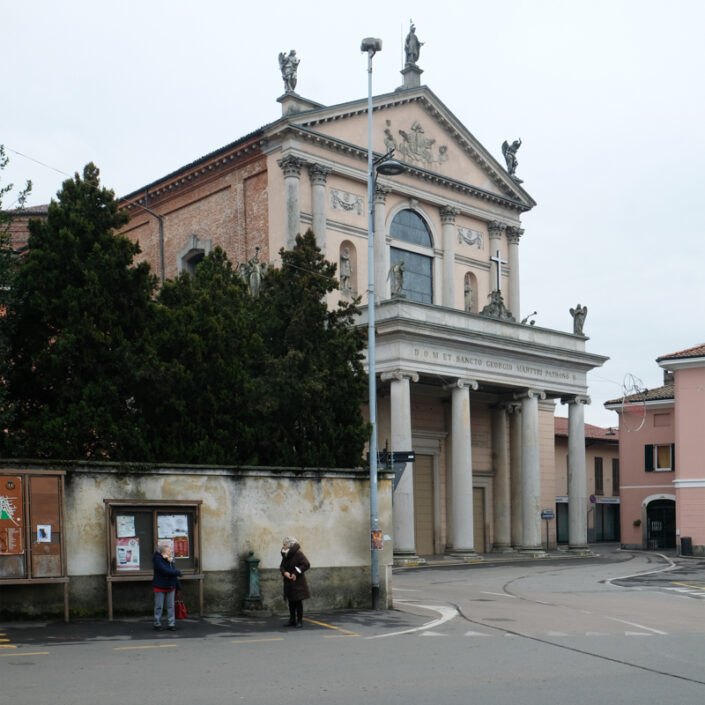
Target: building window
[
  {"x": 414, "y": 247},
  {"x": 659, "y": 458},
  {"x": 615, "y": 476},
  {"x": 193, "y": 254},
  {"x": 599, "y": 490}
]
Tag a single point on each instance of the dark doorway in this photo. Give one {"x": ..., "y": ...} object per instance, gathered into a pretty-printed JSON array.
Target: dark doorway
[{"x": 661, "y": 524}]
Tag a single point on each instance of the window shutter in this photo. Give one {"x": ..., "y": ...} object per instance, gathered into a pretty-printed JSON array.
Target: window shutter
[
  {"x": 649, "y": 457},
  {"x": 673, "y": 456}
]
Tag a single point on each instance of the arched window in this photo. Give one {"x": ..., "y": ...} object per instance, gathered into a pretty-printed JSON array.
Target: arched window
[{"x": 414, "y": 247}]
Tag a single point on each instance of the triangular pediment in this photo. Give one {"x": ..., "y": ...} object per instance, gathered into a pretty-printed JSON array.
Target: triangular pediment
[{"x": 424, "y": 134}]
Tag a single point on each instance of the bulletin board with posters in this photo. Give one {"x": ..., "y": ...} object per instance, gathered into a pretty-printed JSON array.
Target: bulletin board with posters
[
  {"x": 135, "y": 528},
  {"x": 32, "y": 529}
]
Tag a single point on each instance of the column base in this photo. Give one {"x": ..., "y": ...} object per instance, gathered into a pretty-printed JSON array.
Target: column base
[
  {"x": 502, "y": 548},
  {"x": 580, "y": 551},
  {"x": 407, "y": 560}
]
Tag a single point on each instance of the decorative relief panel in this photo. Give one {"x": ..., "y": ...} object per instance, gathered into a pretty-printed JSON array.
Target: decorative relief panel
[
  {"x": 415, "y": 146},
  {"x": 470, "y": 237},
  {"x": 344, "y": 201}
]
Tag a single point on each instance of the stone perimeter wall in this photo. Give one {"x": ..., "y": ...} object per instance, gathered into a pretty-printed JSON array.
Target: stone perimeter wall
[{"x": 243, "y": 509}]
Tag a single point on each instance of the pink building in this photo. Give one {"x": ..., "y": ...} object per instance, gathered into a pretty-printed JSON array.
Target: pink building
[{"x": 662, "y": 458}]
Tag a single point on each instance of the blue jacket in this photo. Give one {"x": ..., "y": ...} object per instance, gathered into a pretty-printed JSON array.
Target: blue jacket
[{"x": 166, "y": 576}]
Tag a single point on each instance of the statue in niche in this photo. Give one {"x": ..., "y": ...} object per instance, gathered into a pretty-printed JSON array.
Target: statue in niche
[
  {"x": 396, "y": 273},
  {"x": 469, "y": 296},
  {"x": 578, "y": 313},
  {"x": 252, "y": 273},
  {"x": 412, "y": 45},
  {"x": 345, "y": 272},
  {"x": 288, "y": 65},
  {"x": 510, "y": 156}
]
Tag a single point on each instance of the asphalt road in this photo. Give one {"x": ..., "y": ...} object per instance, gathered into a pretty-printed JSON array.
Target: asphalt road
[{"x": 621, "y": 627}]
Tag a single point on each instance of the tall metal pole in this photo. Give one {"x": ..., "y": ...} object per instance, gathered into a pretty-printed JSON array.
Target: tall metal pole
[{"x": 371, "y": 357}]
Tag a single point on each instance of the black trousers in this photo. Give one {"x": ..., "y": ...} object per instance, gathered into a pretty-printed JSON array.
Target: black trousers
[{"x": 296, "y": 611}]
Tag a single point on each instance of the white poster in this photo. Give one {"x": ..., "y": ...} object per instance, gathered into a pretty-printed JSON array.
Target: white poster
[
  {"x": 43, "y": 533},
  {"x": 170, "y": 525},
  {"x": 125, "y": 525}
]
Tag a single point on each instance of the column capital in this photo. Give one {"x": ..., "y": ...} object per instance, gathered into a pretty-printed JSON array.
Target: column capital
[
  {"x": 381, "y": 193},
  {"x": 291, "y": 165},
  {"x": 511, "y": 407},
  {"x": 462, "y": 383},
  {"x": 449, "y": 214},
  {"x": 514, "y": 234},
  {"x": 495, "y": 229},
  {"x": 318, "y": 173},
  {"x": 577, "y": 399},
  {"x": 399, "y": 375},
  {"x": 530, "y": 394}
]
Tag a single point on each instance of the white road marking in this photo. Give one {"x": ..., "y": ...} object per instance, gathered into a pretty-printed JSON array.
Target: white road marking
[
  {"x": 671, "y": 565},
  {"x": 476, "y": 634},
  {"x": 638, "y": 634},
  {"x": 447, "y": 613},
  {"x": 432, "y": 634},
  {"x": 638, "y": 626},
  {"x": 500, "y": 594}
]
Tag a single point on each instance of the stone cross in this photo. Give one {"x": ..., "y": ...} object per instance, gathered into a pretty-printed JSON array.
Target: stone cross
[{"x": 498, "y": 259}]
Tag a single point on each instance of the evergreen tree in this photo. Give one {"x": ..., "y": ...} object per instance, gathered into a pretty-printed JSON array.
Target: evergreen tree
[
  {"x": 199, "y": 406},
  {"x": 312, "y": 384},
  {"x": 81, "y": 331},
  {"x": 8, "y": 266}
]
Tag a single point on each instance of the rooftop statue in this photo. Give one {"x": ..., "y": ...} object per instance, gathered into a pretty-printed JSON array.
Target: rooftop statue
[
  {"x": 288, "y": 63},
  {"x": 510, "y": 155},
  {"x": 412, "y": 45},
  {"x": 578, "y": 313}
]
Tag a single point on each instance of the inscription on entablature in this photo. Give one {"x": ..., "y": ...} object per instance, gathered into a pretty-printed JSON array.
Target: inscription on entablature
[
  {"x": 345, "y": 201},
  {"x": 478, "y": 362}
]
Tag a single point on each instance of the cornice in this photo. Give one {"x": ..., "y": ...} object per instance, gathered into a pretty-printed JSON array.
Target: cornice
[
  {"x": 342, "y": 147},
  {"x": 196, "y": 173}
]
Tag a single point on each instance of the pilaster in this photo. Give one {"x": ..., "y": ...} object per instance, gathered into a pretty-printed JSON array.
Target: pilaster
[
  {"x": 448, "y": 216},
  {"x": 381, "y": 268},
  {"x": 318, "y": 174}
]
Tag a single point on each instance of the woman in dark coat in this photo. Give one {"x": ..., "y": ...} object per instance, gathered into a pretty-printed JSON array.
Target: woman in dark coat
[{"x": 293, "y": 568}]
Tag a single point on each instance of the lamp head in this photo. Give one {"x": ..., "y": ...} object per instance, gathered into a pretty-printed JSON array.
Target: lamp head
[
  {"x": 390, "y": 167},
  {"x": 371, "y": 44}
]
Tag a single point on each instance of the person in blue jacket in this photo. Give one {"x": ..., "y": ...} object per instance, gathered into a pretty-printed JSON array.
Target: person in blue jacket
[{"x": 165, "y": 583}]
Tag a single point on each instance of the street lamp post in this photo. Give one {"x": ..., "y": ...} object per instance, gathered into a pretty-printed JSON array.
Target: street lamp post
[{"x": 383, "y": 165}]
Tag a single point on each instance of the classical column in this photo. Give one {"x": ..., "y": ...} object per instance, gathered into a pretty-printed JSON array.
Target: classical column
[
  {"x": 530, "y": 471},
  {"x": 318, "y": 175},
  {"x": 514, "y": 411},
  {"x": 381, "y": 249},
  {"x": 495, "y": 230},
  {"x": 291, "y": 166},
  {"x": 577, "y": 477},
  {"x": 502, "y": 493},
  {"x": 448, "y": 215},
  {"x": 462, "y": 528},
  {"x": 400, "y": 406},
  {"x": 514, "y": 304}
]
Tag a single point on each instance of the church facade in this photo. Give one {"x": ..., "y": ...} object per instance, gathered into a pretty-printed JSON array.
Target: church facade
[{"x": 463, "y": 380}]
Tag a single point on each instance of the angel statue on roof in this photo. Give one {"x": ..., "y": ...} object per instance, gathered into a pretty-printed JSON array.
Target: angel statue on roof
[
  {"x": 510, "y": 155},
  {"x": 288, "y": 63}
]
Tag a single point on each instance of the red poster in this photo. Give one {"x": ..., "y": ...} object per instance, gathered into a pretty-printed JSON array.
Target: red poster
[
  {"x": 11, "y": 516},
  {"x": 181, "y": 547}
]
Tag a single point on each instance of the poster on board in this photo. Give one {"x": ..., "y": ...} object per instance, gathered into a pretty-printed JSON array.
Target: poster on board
[
  {"x": 125, "y": 525},
  {"x": 171, "y": 525},
  {"x": 127, "y": 554},
  {"x": 11, "y": 516}
]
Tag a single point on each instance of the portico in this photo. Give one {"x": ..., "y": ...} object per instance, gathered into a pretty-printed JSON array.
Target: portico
[{"x": 486, "y": 388}]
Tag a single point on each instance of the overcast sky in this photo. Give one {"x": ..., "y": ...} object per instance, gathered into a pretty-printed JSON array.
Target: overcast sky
[{"x": 607, "y": 96}]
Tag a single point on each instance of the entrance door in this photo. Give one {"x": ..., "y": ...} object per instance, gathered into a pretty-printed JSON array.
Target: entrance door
[
  {"x": 423, "y": 504},
  {"x": 478, "y": 518},
  {"x": 562, "y": 525},
  {"x": 661, "y": 524}
]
